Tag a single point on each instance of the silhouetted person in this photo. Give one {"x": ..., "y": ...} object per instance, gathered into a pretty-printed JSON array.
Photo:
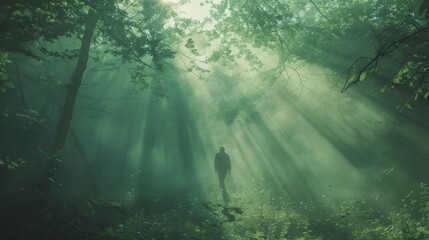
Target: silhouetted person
[{"x": 222, "y": 165}]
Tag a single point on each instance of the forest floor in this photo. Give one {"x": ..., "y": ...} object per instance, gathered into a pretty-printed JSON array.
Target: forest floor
[{"x": 267, "y": 217}]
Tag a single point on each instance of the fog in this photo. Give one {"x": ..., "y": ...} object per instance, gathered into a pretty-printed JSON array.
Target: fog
[{"x": 306, "y": 156}]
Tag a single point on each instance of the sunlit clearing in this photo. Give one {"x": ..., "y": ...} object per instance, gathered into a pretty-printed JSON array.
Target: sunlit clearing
[
  {"x": 285, "y": 149},
  {"x": 297, "y": 141}
]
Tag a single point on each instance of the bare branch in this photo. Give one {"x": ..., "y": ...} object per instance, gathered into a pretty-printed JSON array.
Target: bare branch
[
  {"x": 320, "y": 12},
  {"x": 381, "y": 52}
]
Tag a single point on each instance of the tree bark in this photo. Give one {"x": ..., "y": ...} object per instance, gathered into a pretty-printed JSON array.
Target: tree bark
[
  {"x": 67, "y": 113},
  {"x": 75, "y": 84}
]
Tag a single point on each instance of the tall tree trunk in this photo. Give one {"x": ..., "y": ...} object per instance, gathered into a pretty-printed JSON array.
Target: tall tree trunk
[
  {"x": 66, "y": 116},
  {"x": 76, "y": 81},
  {"x": 21, "y": 93}
]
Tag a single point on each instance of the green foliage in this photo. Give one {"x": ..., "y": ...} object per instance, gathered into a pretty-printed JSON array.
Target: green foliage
[
  {"x": 13, "y": 163},
  {"x": 5, "y": 82},
  {"x": 211, "y": 226},
  {"x": 242, "y": 26},
  {"x": 414, "y": 75},
  {"x": 191, "y": 46},
  {"x": 259, "y": 215},
  {"x": 29, "y": 21},
  {"x": 29, "y": 27},
  {"x": 273, "y": 215},
  {"x": 332, "y": 34},
  {"x": 223, "y": 214}
]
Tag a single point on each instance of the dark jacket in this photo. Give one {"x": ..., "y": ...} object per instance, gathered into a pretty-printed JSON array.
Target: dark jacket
[{"x": 222, "y": 162}]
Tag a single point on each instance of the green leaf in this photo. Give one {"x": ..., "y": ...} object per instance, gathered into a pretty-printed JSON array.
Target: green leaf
[
  {"x": 397, "y": 80},
  {"x": 362, "y": 76},
  {"x": 408, "y": 105},
  {"x": 351, "y": 77},
  {"x": 190, "y": 43},
  {"x": 427, "y": 95},
  {"x": 404, "y": 70}
]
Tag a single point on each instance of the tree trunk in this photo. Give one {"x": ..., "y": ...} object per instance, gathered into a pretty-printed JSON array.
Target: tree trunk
[
  {"x": 76, "y": 81},
  {"x": 66, "y": 116},
  {"x": 21, "y": 94}
]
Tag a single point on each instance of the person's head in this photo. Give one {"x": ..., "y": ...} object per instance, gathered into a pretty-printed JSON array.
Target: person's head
[{"x": 221, "y": 149}]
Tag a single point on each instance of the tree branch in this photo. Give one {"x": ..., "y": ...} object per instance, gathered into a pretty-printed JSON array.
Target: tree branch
[
  {"x": 382, "y": 52},
  {"x": 320, "y": 12}
]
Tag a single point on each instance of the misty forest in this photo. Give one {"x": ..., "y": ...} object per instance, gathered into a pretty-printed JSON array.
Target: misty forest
[{"x": 214, "y": 119}]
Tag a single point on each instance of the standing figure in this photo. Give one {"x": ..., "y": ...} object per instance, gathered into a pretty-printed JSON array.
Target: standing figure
[{"x": 222, "y": 165}]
